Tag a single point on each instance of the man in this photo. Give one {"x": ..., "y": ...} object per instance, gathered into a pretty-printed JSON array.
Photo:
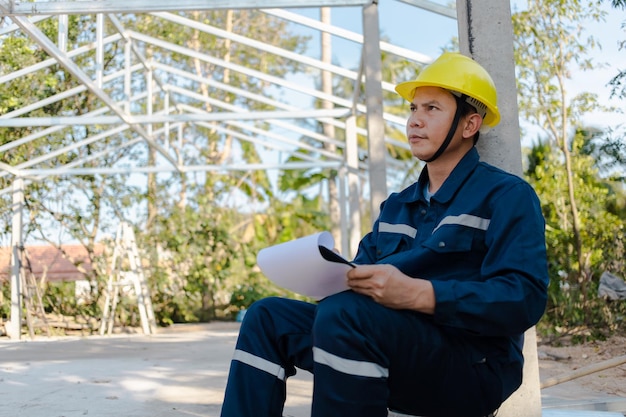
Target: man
[{"x": 451, "y": 275}]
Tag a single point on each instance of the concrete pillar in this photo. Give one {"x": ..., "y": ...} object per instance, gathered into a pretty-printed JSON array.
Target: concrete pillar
[
  {"x": 486, "y": 34},
  {"x": 526, "y": 401},
  {"x": 372, "y": 68}
]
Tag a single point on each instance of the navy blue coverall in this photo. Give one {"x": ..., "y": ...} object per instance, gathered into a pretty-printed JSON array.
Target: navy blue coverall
[{"x": 480, "y": 240}]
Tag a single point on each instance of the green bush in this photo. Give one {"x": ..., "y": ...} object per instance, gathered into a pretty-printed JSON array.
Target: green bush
[{"x": 580, "y": 317}]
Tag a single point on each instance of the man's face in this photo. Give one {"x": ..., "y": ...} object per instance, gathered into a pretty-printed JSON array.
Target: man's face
[{"x": 432, "y": 113}]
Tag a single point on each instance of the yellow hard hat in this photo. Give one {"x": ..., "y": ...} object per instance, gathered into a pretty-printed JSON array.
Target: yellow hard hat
[{"x": 458, "y": 73}]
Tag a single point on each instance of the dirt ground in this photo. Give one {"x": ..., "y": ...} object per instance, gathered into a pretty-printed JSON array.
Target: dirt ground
[{"x": 564, "y": 360}]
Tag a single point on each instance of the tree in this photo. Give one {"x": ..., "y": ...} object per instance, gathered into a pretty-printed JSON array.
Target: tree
[
  {"x": 205, "y": 144},
  {"x": 197, "y": 255},
  {"x": 81, "y": 205},
  {"x": 582, "y": 208},
  {"x": 547, "y": 45},
  {"x": 618, "y": 82},
  {"x": 570, "y": 308},
  {"x": 75, "y": 206},
  {"x": 210, "y": 144},
  {"x": 62, "y": 199}
]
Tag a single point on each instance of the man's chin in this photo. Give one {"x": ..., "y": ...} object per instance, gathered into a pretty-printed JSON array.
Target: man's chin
[{"x": 422, "y": 156}]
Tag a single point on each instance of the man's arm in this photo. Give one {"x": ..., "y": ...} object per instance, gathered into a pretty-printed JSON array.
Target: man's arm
[{"x": 510, "y": 294}]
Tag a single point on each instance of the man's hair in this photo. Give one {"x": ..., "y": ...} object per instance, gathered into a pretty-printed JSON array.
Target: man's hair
[{"x": 465, "y": 109}]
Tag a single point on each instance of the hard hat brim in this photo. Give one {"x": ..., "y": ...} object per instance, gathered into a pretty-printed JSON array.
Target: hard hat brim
[{"x": 407, "y": 91}]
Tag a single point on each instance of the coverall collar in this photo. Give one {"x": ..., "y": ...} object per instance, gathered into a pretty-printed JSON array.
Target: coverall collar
[{"x": 450, "y": 186}]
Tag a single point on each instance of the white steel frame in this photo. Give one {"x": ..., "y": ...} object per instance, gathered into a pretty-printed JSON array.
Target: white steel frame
[
  {"x": 176, "y": 116},
  {"x": 25, "y": 15}
]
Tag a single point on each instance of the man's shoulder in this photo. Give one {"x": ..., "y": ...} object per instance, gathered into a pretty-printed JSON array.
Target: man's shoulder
[
  {"x": 497, "y": 173},
  {"x": 410, "y": 193},
  {"x": 500, "y": 183}
]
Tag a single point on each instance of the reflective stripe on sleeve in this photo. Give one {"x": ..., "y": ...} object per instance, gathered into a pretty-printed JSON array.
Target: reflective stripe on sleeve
[
  {"x": 260, "y": 363},
  {"x": 404, "y": 229},
  {"x": 349, "y": 366},
  {"x": 465, "y": 220}
]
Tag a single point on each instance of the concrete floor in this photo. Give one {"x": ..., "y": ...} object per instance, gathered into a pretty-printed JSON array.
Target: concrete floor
[{"x": 181, "y": 371}]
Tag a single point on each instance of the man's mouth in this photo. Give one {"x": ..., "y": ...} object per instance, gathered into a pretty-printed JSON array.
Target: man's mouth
[{"x": 416, "y": 138}]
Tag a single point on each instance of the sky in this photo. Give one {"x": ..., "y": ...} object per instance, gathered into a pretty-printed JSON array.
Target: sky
[
  {"x": 426, "y": 32},
  {"x": 396, "y": 22},
  {"x": 609, "y": 33}
]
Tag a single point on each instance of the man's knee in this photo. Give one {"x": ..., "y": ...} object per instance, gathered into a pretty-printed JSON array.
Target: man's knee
[
  {"x": 345, "y": 311},
  {"x": 260, "y": 312},
  {"x": 340, "y": 306},
  {"x": 264, "y": 305}
]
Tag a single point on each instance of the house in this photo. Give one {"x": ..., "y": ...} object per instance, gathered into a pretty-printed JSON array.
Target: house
[{"x": 51, "y": 262}]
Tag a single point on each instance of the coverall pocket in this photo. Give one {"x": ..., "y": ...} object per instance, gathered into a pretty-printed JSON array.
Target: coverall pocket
[
  {"x": 451, "y": 239},
  {"x": 488, "y": 373},
  {"x": 392, "y": 243}
]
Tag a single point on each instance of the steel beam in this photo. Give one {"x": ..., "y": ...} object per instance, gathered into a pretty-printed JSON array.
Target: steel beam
[
  {"x": 372, "y": 68},
  {"x": 190, "y": 168},
  {"x": 34, "y": 32},
  {"x": 346, "y": 34},
  {"x": 50, "y": 62},
  {"x": 135, "y": 120},
  {"x": 15, "y": 8},
  {"x": 431, "y": 6}
]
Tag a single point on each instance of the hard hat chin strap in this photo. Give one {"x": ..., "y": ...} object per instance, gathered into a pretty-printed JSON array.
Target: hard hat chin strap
[{"x": 453, "y": 127}]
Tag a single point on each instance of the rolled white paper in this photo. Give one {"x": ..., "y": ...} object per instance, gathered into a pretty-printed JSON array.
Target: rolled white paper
[{"x": 298, "y": 266}]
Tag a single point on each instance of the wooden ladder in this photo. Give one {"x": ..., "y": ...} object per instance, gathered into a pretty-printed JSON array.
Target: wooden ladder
[
  {"x": 31, "y": 295},
  {"x": 126, "y": 270}
]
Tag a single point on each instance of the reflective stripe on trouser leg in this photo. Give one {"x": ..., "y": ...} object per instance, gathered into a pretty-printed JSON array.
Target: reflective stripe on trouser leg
[
  {"x": 369, "y": 358},
  {"x": 274, "y": 339},
  {"x": 260, "y": 363},
  {"x": 349, "y": 366},
  {"x": 251, "y": 392},
  {"x": 350, "y": 372}
]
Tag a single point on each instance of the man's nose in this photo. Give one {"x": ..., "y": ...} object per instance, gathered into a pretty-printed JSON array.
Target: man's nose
[{"x": 416, "y": 121}]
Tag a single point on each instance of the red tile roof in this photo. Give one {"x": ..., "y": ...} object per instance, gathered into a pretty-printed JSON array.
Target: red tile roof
[{"x": 49, "y": 260}]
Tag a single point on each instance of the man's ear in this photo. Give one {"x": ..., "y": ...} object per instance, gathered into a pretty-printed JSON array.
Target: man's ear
[{"x": 473, "y": 122}]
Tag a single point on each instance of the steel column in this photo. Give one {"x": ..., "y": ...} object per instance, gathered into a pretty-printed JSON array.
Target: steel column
[
  {"x": 14, "y": 326},
  {"x": 374, "y": 101}
]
